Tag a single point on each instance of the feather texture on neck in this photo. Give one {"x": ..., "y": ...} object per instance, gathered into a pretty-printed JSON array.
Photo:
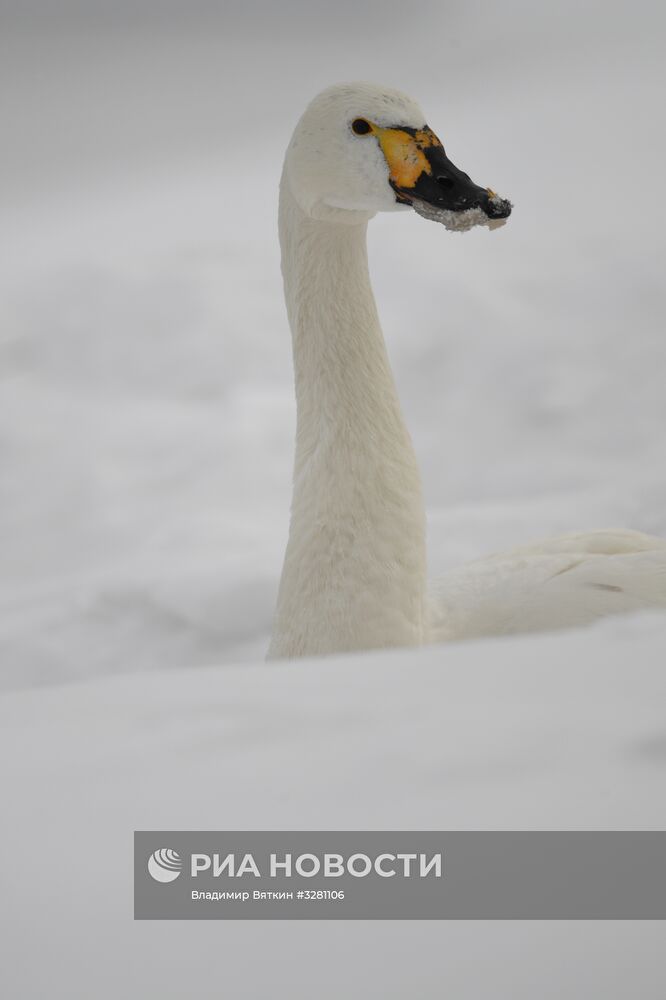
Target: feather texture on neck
[{"x": 354, "y": 574}]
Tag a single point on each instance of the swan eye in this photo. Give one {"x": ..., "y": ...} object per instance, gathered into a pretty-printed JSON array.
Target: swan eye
[{"x": 360, "y": 126}]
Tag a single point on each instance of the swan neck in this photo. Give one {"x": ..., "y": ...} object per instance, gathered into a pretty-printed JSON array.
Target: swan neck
[{"x": 354, "y": 571}]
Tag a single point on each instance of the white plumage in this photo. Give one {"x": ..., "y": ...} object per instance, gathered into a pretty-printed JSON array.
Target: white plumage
[
  {"x": 559, "y": 582},
  {"x": 354, "y": 575}
]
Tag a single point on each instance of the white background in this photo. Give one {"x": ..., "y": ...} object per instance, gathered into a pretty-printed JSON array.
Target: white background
[
  {"x": 146, "y": 423},
  {"x": 147, "y": 403}
]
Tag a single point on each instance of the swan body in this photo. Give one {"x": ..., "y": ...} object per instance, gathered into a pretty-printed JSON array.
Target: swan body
[
  {"x": 561, "y": 582},
  {"x": 354, "y": 574}
]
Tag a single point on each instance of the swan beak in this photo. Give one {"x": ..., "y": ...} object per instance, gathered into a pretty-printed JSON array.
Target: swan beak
[{"x": 421, "y": 172}]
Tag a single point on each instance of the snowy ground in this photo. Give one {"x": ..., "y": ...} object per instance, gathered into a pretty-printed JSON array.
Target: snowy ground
[
  {"x": 532, "y": 733},
  {"x": 146, "y": 422}
]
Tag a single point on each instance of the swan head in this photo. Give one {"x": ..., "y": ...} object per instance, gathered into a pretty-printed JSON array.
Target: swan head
[{"x": 359, "y": 149}]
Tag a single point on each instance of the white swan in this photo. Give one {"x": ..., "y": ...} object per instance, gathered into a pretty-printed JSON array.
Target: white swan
[{"x": 354, "y": 574}]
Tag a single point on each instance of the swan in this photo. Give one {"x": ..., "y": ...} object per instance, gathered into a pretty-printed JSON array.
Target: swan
[{"x": 354, "y": 573}]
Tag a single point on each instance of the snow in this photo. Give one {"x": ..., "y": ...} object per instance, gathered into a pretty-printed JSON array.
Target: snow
[
  {"x": 552, "y": 732},
  {"x": 146, "y": 425}
]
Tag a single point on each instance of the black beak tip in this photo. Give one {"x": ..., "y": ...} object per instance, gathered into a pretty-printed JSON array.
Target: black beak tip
[{"x": 496, "y": 207}]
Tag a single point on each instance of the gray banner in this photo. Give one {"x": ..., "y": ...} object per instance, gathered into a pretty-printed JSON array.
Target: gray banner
[{"x": 399, "y": 875}]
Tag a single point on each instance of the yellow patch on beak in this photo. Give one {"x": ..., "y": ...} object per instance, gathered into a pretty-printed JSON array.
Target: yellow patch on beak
[{"x": 404, "y": 154}]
